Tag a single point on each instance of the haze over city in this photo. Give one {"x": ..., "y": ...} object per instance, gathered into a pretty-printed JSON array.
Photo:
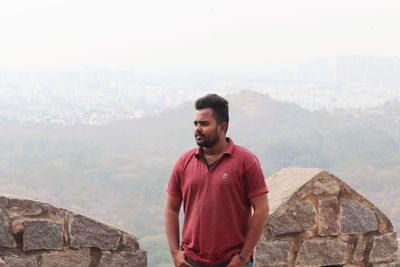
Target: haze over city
[
  {"x": 96, "y": 97},
  {"x": 92, "y": 62},
  {"x": 157, "y": 36}
]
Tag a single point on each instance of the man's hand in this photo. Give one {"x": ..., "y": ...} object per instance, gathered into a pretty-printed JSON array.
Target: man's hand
[
  {"x": 180, "y": 260},
  {"x": 236, "y": 262},
  {"x": 171, "y": 213}
]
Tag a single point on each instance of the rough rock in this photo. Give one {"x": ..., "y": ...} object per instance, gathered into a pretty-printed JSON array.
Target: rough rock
[
  {"x": 129, "y": 242},
  {"x": 37, "y": 234},
  {"x": 398, "y": 248},
  {"x": 68, "y": 258},
  {"x": 327, "y": 216},
  {"x": 358, "y": 255},
  {"x": 321, "y": 252},
  {"x": 86, "y": 232},
  {"x": 325, "y": 184},
  {"x": 42, "y": 235},
  {"x": 17, "y": 225},
  {"x": 56, "y": 214},
  {"x": 23, "y": 207},
  {"x": 20, "y": 262},
  {"x": 3, "y": 202},
  {"x": 357, "y": 219},
  {"x": 301, "y": 217},
  {"x": 316, "y": 219},
  {"x": 391, "y": 264},
  {"x": 6, "y": 239},
  {"x": 293, "y": 179},
  {"x": 124, "y": 259},
  {"x": 274, "y": 253},
  {"x": 384, "y": 248}
]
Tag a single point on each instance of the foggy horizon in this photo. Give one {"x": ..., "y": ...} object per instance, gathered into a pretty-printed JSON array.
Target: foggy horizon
[
  {"x": 326, "y": 73},
  {"x": 176, "y": 35}
]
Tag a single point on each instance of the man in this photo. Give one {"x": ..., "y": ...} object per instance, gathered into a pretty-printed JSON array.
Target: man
[{"x": 219, "y": 183}]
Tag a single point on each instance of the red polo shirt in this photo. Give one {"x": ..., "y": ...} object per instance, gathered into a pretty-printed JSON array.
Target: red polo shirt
[{"x": 216, "y": 202}]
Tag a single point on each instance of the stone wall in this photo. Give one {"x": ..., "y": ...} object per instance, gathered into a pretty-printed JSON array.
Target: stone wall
[
  {"x": 38, "y": 234},
  {"x": 318, "y": 220}
]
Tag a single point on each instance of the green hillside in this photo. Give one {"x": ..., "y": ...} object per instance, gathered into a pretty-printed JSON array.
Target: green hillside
[{"x": 118, "y": 172}]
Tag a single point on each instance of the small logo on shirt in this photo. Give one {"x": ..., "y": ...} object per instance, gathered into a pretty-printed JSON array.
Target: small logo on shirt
[{"x": 225, "y": 175}]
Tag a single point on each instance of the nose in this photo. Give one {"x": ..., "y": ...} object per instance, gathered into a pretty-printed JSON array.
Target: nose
[{"x": 197, "y": 128}]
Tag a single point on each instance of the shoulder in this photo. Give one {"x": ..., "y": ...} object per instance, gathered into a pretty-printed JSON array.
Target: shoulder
[
  {"x": 243, "y": 152},
  {"x": 186, "y": 156},
  {"x": 182, "y": 162},
  {"x": 245, "y": 157}
]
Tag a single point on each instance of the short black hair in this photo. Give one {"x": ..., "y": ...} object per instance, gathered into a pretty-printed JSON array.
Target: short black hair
[{"x": 218, "y": 104}]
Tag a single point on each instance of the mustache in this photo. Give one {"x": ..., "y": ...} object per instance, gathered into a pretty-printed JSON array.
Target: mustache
[{"x": 198, "y": 134}]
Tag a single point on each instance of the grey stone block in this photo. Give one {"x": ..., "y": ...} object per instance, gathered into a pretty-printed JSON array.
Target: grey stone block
[
  {"x": 124, "y": 259},
  {"x": 301, "y": 217},
  {"x": 20, "y": 262},
  {"x": 42, "y": 235},
  {"x": 273, "y": 253},
  {"x": 384, "y": 248},
  {"x": 398, "y": 250},
  {"x": 391, "y": 264},
  {"x": 24, "y": 207},
  {"x": 357, "y": 219},
  {"x": 325, "y": 184},
  {"x": 86, "y": 232},
  {"x": 68, "y": 258},
  {"x": 327, "y": 216},
  {"x": 321, "y": 252},
  {"x": 6, "y": 239},
  {"x": 358, "y": 255},
  {"x": 129, "y": 242}
]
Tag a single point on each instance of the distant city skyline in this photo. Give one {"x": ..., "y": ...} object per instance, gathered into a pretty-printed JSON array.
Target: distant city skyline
[
  {"x": 157, "y": 35},
  {"x": 99, "y": 96}
]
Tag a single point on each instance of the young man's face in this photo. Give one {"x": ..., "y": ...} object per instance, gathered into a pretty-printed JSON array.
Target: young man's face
[{"x": 207, "y": 130}]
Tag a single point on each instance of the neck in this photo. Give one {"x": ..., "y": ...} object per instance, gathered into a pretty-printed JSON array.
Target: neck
[{"x": 216, "y": 149}]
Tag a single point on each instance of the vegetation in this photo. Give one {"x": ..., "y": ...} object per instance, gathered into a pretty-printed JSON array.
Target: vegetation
[{"x": 118, "y": 173}]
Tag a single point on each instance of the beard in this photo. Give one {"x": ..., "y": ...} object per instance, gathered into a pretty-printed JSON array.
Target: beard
[{"x": 207, "y": 141}]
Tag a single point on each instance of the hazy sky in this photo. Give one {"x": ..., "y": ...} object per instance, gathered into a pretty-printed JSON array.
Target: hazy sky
[{"x": 186, "y": 34}]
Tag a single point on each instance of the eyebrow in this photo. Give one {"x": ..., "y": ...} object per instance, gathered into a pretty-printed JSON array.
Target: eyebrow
[{"x": 200, "y": 121}]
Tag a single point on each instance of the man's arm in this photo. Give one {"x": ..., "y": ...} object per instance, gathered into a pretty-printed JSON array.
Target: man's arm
[
  {"x": 171, "y": 215},
  {"x": 257, "y": 223}
]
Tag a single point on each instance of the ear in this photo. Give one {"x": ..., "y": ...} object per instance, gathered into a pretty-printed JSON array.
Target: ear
[{"x": 223, "y": 127}]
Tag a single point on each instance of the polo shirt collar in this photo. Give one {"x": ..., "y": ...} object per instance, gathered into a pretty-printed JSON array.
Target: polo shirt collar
[{"x": 228, "y": 150}]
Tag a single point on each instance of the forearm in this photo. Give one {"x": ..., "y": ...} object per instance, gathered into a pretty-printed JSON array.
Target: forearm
[
  {"x": 172, "y": 230},
  {"x": 255, "y": 231}
]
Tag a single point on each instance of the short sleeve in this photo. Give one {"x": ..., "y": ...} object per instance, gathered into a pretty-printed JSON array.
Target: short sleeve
[
  {"x": 174, "y": 183},
  {"x": 255, "y": 181}
]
